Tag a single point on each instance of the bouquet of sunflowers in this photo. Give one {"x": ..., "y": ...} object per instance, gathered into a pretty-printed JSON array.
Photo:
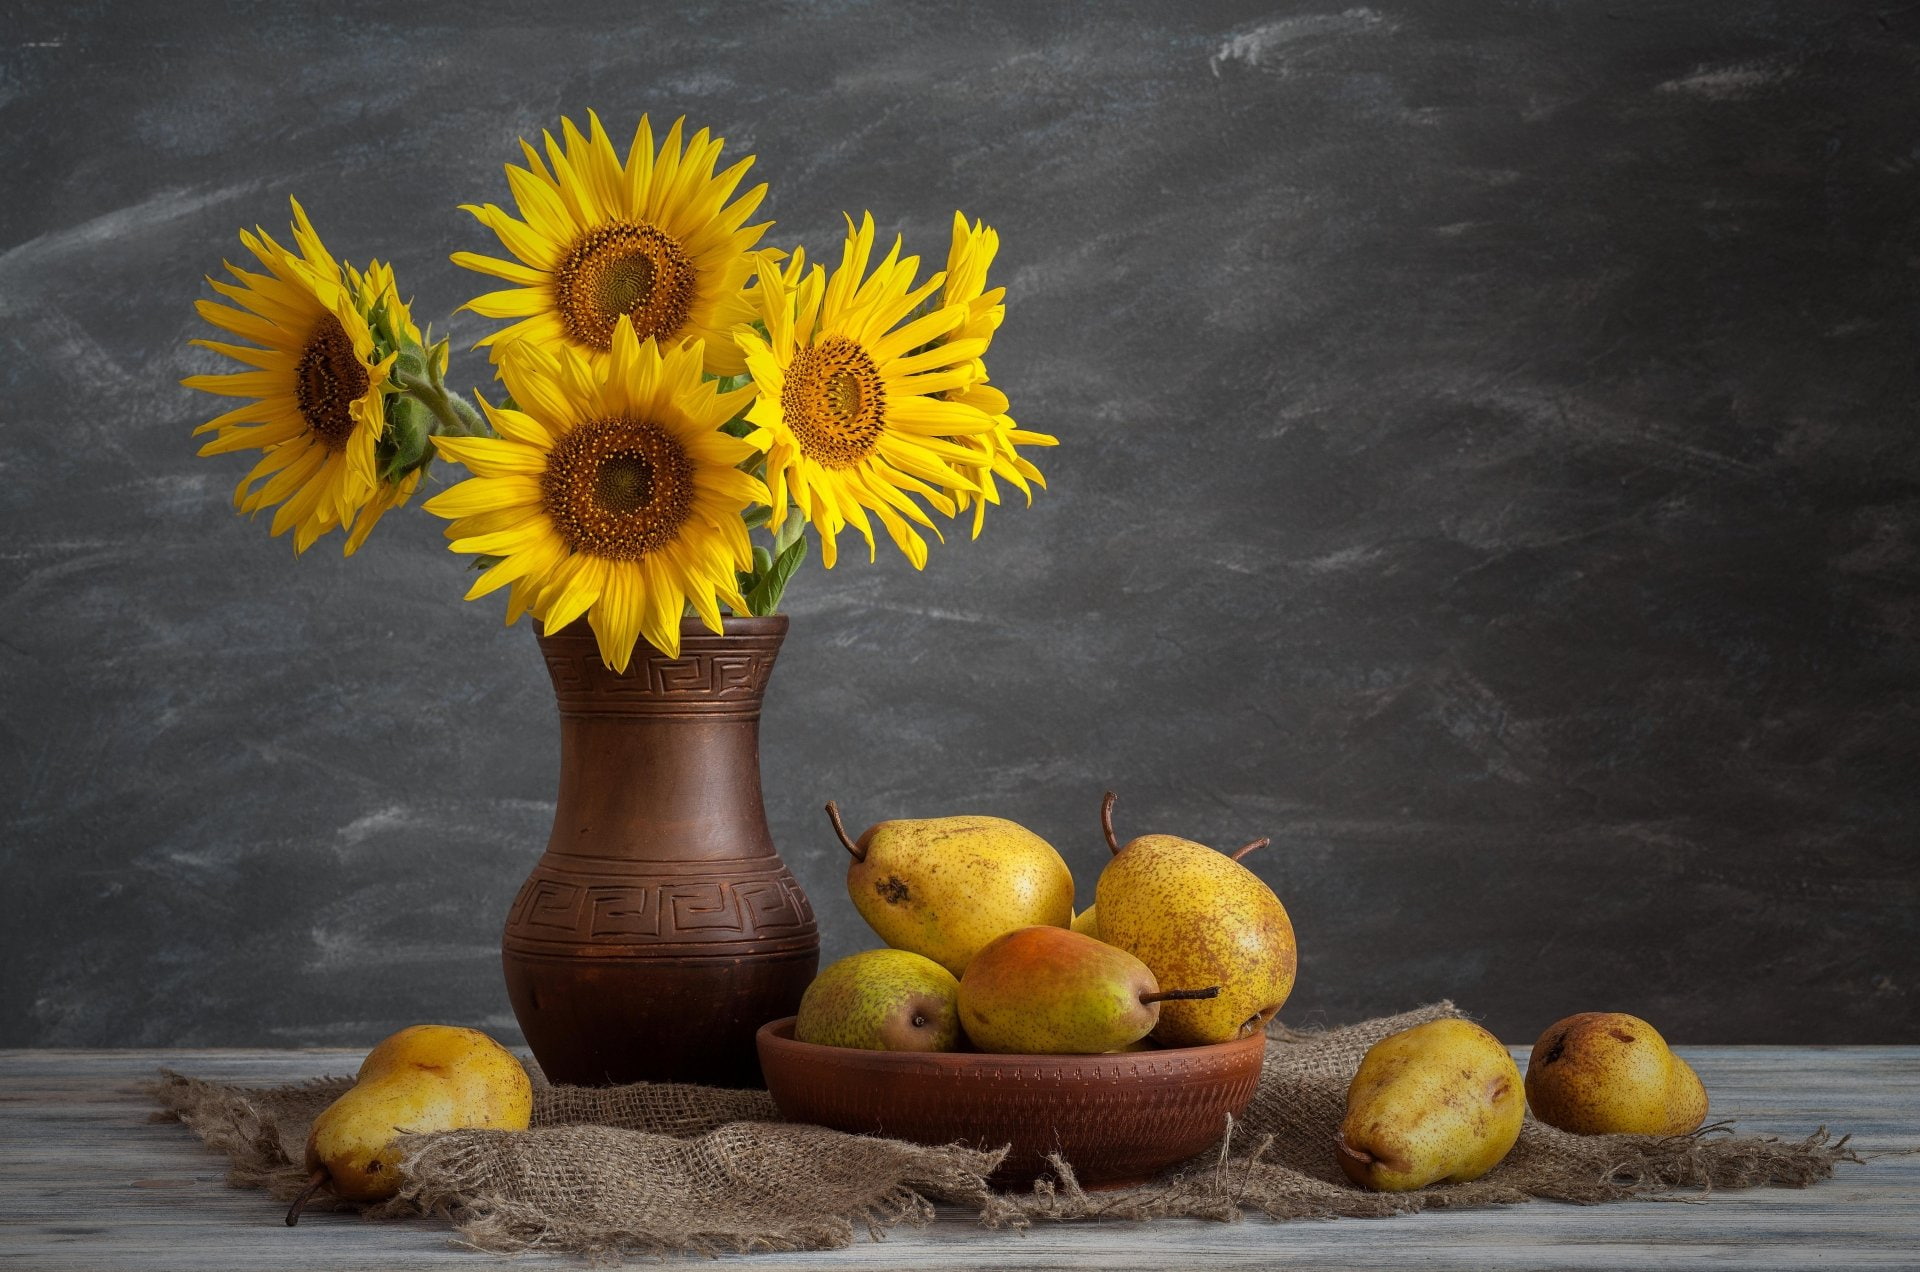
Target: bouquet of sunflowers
[{"x": 668, "y": 390}]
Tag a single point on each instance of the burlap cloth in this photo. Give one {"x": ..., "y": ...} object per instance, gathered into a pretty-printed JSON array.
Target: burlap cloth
[{"x": 660, "y": 1168}]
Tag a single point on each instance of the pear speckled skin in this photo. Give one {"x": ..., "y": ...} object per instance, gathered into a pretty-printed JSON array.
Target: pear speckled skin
[
  {"x": 1053, "y": 991},
  {"x": 1605, "y": 1072},
  {"x": 424, "y": 1078},
  {"x": 1197, "y": 917},
  {"x": 1437, "y": 1103},
  {"x": 881, "y": 1000},
  {"x": 945, "y": 886}
]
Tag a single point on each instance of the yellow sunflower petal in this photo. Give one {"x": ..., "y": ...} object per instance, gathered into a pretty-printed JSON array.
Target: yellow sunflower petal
[{"x": 483, "y": 494}]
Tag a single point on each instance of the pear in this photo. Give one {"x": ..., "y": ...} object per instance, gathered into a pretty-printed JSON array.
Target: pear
[
  {"x": 945, "y": 886},
  {"x": 1605, "y": 1072},
  {"x": 1437, "y": 1103},
  {"x": 424, "y": 1078},
  {"x": 1054, "y": 991},
  {"x": 1197, "y": 917},
  {"x": 1087, "y": 922},
  {"x": 881, "y": 1000}
]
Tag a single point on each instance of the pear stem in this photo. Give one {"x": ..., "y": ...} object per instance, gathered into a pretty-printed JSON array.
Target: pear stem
[
  {"x": 833, "y": 815},
  {"x": 1180, "y": 995},
  {"x": 1106, "y": 821},
  {"x": 314, "y": 1181},
  {"x": 1255, "y": 846}
]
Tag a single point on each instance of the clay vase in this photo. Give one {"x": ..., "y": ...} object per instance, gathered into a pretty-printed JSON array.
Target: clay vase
[{"x": 660, "y": 929}]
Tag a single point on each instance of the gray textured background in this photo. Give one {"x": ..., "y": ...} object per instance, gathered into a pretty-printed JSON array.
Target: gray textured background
[{"x": 1489, "y": 469}]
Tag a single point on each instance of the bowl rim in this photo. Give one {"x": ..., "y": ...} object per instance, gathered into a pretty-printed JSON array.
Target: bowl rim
[{"x": 779, "y": 1033}]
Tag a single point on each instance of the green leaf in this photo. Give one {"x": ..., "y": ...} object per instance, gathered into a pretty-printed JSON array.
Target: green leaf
[
  {"x": 765, "y": 597},
  {"x": 405, "y": 444},
  {"x": 789, "y": 533},
  {"x": 757, "y": 516}
]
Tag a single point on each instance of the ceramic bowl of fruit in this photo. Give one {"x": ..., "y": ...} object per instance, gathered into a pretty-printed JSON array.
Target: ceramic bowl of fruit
[
  {"x": 1122, "y": 1039},
  {"x": 1117, "y": 1119}
]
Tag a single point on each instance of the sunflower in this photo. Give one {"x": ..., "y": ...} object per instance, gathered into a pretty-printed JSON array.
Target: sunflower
[
  {"x": 853, "y": 409},
  {"x": 974, "y": 247},
  {"x": 653, "y": 239},
  {"x": 316, "y": 384},
  {"x": 610, "y": 492}
]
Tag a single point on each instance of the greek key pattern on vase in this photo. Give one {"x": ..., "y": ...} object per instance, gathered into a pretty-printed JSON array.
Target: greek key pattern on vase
[
  {"x": 718, "y": 681},
  {"x": 667, "y": 912}
]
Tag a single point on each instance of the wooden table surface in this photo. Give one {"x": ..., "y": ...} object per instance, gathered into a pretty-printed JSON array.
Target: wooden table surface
[{"x": 86, "y": 1182}]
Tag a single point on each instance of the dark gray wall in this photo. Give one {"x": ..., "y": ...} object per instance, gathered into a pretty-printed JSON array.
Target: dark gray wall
[{"x": 1489, "y": 469}]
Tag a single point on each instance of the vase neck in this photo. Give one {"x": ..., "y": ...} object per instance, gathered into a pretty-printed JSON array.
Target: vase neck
[{"x": 661, "y": 763}]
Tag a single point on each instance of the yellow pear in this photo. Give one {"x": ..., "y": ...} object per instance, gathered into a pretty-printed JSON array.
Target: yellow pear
[
  {"x": 1087, "y": 922},
  {"x": 1197, "y": 917},
  {"x": 1437, "y": 1103},
  {"x": 1052, "y": 991},
  {"x": 424, "y": 1078},
  {"x": 881, "y": 1000},
  {"x": 1604, "y": 1072},
  {"x": 945, "y": 886}
]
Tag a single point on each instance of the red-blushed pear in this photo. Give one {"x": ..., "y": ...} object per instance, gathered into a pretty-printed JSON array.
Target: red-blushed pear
[
  {"x": 1437, "y": 1103},
  {"x": 881, "y": 1000},
  {"x": 1054, "y": 991},
  {"x": 1605, "y": 1072},
  {"x": 1197, "y": 917},
  {"x": 424, "y": 1078},
  {"x": 945, "y": 886}
]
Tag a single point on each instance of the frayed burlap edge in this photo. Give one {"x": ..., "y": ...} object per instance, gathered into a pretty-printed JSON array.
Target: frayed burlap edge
[
  {"x": 264, "y": 1145},
  {"x": 1233, "y": 1185}
]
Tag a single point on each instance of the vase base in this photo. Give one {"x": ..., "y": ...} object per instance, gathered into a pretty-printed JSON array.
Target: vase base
[{"x": 605, "y": 1022}]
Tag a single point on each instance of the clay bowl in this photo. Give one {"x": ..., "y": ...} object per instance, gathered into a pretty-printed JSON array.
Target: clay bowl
[{"x": 1118, "y": 1119}]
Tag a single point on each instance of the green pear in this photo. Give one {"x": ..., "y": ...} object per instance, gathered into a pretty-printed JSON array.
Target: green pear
[
  {"x": 881, "y": 1000},
  {"x": 1605, "y": 1072},
  {"x": 1197, "y": 917},
  {"x": 1437, "y": 1103},
  {"x": 1087, "y": 922},
  {"x": 945, "y": 886},
  {"x": 1054, "y": 991},
  {"x": 424, "y": 1078}
]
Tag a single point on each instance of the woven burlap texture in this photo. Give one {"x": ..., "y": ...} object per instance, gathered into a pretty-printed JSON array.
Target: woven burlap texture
[{"x": 656, "y": 1168}]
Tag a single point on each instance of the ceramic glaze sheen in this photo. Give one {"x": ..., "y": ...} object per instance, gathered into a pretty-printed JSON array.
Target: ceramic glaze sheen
[{"x": 660, "y": 928}]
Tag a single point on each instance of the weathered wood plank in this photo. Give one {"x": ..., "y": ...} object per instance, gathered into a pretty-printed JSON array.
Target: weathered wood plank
[{"x": 86, "y": 1182}]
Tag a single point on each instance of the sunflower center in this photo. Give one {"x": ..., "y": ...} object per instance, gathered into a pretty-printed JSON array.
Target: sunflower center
[
  {"x": 624, "y": 483},
  {"x": 623, "y": 267},
  {"x": 618, "y": 488},
  {"x": 328, "y": 381},
  {"x": 834, "y": 402}
]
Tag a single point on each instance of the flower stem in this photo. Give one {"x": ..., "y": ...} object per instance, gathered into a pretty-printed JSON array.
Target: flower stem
[{"x": 454, "y": 414}]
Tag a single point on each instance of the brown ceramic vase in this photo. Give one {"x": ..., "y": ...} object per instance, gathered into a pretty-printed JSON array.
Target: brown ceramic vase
[{"x": 660, "y": 929}]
